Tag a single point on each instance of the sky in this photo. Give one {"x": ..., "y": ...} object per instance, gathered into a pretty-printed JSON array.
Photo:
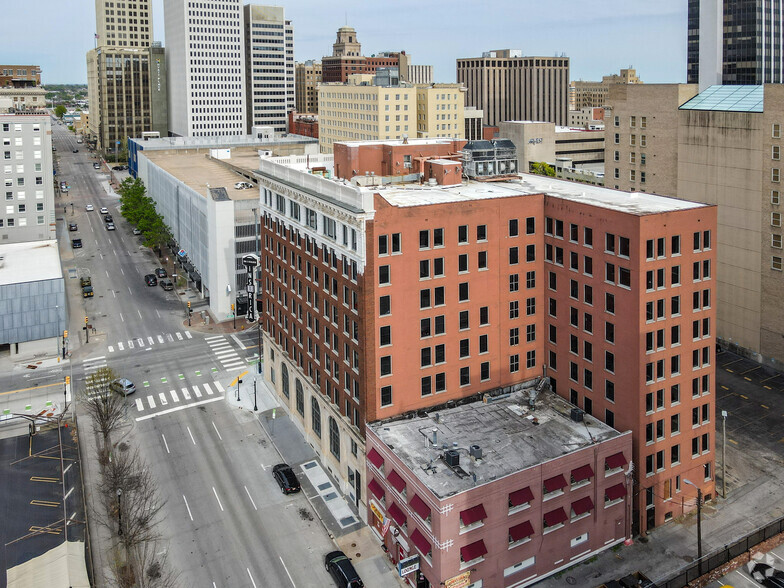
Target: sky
[{"x": 599, "y": 36}]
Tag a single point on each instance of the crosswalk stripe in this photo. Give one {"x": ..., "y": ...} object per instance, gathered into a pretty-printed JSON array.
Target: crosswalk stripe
[
  {"x": 150, "y": 341},
  {"x": 151, "y": 401},
  {"x": 220, "y": 346},
  {"x": 130, "y": 344},
  {"x": 188, "y": 335},
  {"x": 214, "y": 337},
  {"x": 139, "y": 404},
  {"x": 219, "y": 387},
  {"x": 208, "y": 389},
  {"x": 173, "y": 394},
  {"x": 226, "y": 353},
  {"x": 234, "y": 369},
  {"x": 185, "y": 393},
  {"x": 179, "y": 336},
  {"x": 162, "y": 396},
  {"x": 169, "y": 337},
  {"x": 120, "y": 345},
  {"x": 232, "y": 363},
  {"x": 196, "y": 391},
  {"x": 160, "y": 338},
  {"x": 111, "y": 349},
  {"x": 140, "y": 341},
  {"x": 96, "y": 358}
]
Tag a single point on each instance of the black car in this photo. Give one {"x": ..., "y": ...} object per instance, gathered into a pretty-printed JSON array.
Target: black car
[
  {"x": 120, "y": 167},
  {"x": 342, "y": 571},
  {"x": 76, "y": 151},
  {"x": 285, "y": 478},
  {"x": 151, "y": 280},
  {"x": 72, "y": 227},
  {"x": 108, "y": 218},
  {"x": 161, "y": 273},
  {"x": 76, "y": 243}
]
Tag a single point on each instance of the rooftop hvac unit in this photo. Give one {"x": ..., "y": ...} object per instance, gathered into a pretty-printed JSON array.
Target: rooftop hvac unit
[
  {"x": 452, "y": 458},
  {"x": 577, "y": 415},
  {"x": 475, "y": 451}
]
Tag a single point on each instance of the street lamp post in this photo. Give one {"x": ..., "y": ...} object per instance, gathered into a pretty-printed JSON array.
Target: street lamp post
[
  {"x": 255, "y": 405},
  {"x": 258, "y": 335},
  {"x": 238, "y": 389},
  {"x": 724, "y": 454},
  {"x": 119, "y": 511},
  {"x": 699, "y": 523}
]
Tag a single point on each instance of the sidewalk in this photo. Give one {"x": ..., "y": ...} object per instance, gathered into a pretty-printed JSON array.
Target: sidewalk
[{"x": 342, "y": 523}]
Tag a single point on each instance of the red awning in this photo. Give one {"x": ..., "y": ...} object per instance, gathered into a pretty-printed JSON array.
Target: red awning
[
  {"x": 473, "y": 550},
  {"x": 582, "y": 473},
  {"x": 397, "y": 482},
  {"x": 376, "y": 489},
  {"x": 375, "y": 458},
  {"x": 420, "y": 507},
  {"x": 615, "y": 492},
  {"x": 616, "y": 460},
  {"x": 398, "y": 515},
  {"x": 555, "y": 517},
  {"x": 582, "y": 506},
  {"x": 521, "y": 531},
  {"x": 472, "y": 515},
  {"x": 555, "y": 483},
  {"x": 519, "y": 497},
  {"x": 421, "y": 543}
]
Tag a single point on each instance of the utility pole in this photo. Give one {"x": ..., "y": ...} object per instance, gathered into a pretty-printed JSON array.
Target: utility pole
[
  {"x": 699, "y": 523},
  {"x": 189, "y": 313},
  {"x": 258, "y": 335},
  {"x": 239, "y": 381},
  {"x": 87, "y": 329},
  {"x": 119, "y": 511},
  {"x": 724, "y": 454}
]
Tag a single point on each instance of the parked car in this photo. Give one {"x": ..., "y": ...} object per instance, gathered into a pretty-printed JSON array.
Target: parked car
[
  {"x": 104, "y": 210},
  {"x": 166, "y": 284},
  {"x": 73, "y": 227},
  {"x": 96, "y": 165},
  {"x": 120, "y": 167},
  {"x": 136, "y": 231},
  {"x": 151, "y": 280},
  {"x": 243, "y": 186},
  {"x": 123, "y": 386},
  {"x": 64, "y": 188},
  {"x": 76, "y": 243},
  {"x": 161, "y": 273},
  {"x": 286, "y": 478},
  {"x": 342, "y": 570},
  {"x": 110, "y": 226},
  {"x": 89, "y": 208}
]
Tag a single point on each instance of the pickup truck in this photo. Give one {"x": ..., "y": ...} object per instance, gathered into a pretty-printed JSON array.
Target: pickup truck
[{"x": 87, "y": 287}]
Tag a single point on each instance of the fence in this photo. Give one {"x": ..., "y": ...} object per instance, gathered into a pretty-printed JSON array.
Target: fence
[{"x": 722, "y": 556}]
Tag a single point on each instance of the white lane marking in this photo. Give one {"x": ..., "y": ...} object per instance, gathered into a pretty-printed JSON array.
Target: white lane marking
[
  {"x": 177, "y": 408},
  {"x": 140, "y": 312},
  {"x": 219, "y": 387},
  {"x": 776, "y": 555},
  {"x": 216, "y": 430},
  {"x": 222, "y": 348},
  {"x": 207, "y": 389},
  {"x": 130, "y": 343},
  {"x": 189, "y": 510},
  {"x": 158, "y": 313},
  {"x": 233, "y": 365},
  {"x": 121, "y": 318},
  {"x": 287, "y": 571},
  {"x": 179, "y": 336},
  {"x": 196, "y": 391},
  {"x": 111, "y": 349},
  {"x": 188, "y": 335},
  {"x": 150, "y": 341},
  {"x": 219, "y": 502},
  {"x": 139, "y": 404},
  {"x": 251, "y": 578},
  {"x": 162, "y": 396},
  {"x": 115, "y": 253},
  {"x": 213, "y": 337},
  {"x": 185, "y": 393},
  {"x": 151, "y": 401},
  {"x": 120, "y": 345},
  {"x": 129, "y": 291},
  {"x": 166, "y": 444},
  {"x": 160, "y": 339},
  {"x": 121, "y": 271},
  {"x": 114, "y": 294},
  {"x": 191, "y": 434},
  {"x": 173, "y": 394},
  {"x": 101, "y": 254},
  {"x": 251, "y": 498},
  {"x": 237, "y": 339},
  {"x": 107, "y": 273}
]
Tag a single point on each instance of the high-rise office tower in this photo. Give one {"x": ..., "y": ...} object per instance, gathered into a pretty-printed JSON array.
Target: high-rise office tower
[
  {"x": 735, "y": 42},
  {"x": 306, "y": 81},
  {"x": 269, "y": 66},
  {"x": 206, "y": 71},
  {"x": 125, "y": 75},
  {"x": 508, "y": 86}
]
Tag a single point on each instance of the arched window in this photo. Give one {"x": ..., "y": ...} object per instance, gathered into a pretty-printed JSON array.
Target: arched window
[
  {"x": 284, "y": 371},
  {"x": 300, "y": 399},
  {"x": 334, "y": 438},
  {"x": 315, "y": 416}
]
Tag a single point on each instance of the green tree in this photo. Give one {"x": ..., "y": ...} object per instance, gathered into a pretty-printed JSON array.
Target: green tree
[
  {"x": 543, "y": 169},
  {"x": 59, "y": 111},
  {"x": 139, "y": 210}
]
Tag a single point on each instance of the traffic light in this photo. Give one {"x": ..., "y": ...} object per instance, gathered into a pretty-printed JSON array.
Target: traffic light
[
  {"x": 67, "y": 380},
  {"x": 232, "y": 308},
  {"x": 86, "y": 320},
  {"x": 189, "y": 307},
  {"x": 65, "y": 334}
]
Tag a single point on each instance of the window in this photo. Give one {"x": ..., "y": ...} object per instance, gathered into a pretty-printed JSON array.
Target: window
[
  {"x": 438, "y": 237},
  {"x": 513, "y": 227},
  {"x": 465, "y": 349},
  {"x": 775, "y": 152},
  {"x": 385, "y": 335},
  {"x": 588, "y": 237},
  {"x": 775, "y": 197},
  {"x": 775, "y": 131},
  {"x": 481, "y": 233},
  {"x": 775, "y": 262},
  {"x": 386, "y": 365},
  {"x": 465, "y": 376},
  {"x": 315, "y": 416},
  {"x": 383, "y": 275},
  {"x": 462, "y": 263},
  {"x": 513, "y": 256},
  {"x": 462, "y": 234},
  {"x": 775, "y": 219},
  {"x": 484, "y": 316},
  {"x": 463, "y": 292},
  {"x": 530, "y": 253},
  {"x": 481, "y": 260},
  {"x": 334, "y": 432},
  {"x": 514, "y": 336},
  {"x": 384, "y": 306},
  {"x": 514, "y": 363},
  {"x": 514, "y": 282},
  {"x": 530, "y": 225}
]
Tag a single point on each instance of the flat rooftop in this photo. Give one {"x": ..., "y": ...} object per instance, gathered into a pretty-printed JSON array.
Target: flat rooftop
[
  {"x": 32, "y": 261},
  {"x": 638, "y": 203},
  {"x": 512, "y": 438},
  {"x": 201, "y": 173},
  {"x": 221, "y": 142}
]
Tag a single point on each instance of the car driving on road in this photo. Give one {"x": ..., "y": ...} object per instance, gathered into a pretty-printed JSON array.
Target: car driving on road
[
  {"x": 89, "y": 208},
  {"x": 76, "y": 243},
  {"x": 123, "y": 386},
  {"x": 110, "y": 226},
  {"x": 151, "y": 280},
  {"x": 104, "y": 210},
  {"x": 73, "y": 227}
]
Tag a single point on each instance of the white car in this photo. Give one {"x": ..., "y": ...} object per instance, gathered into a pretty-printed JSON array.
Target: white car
[
  {"x": 109, "y": 226},
  {"x": 243, "y": 185},
  {"x": 104, "y": 210},
  {"x": 89, "y": 208}
]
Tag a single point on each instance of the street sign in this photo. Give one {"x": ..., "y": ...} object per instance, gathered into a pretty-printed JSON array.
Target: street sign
[
  {"x": 181, "y": 253},
  {"x": 408, "y": 565},
  {"x": 230, "y": 315}
]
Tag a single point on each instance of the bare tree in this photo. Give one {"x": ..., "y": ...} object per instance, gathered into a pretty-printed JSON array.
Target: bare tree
[
  {"x": 139, "y": 505},
  {"x": 152, "y": 562},
  {"x": 104, "y": 406}
]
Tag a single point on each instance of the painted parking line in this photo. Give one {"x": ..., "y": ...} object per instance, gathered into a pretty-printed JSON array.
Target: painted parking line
[
  {"x": 725, "y": 388},
  {"x": 765, "y": 407},
  {"x": 729, "y": 370},
  {"x": 750, "y": 370}
]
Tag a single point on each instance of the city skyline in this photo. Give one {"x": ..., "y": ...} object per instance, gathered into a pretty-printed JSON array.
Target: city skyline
[{"x": 658, "y": 51}]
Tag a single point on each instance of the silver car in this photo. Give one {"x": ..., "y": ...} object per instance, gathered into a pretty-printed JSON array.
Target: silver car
[{"x": 123, "y": 386}]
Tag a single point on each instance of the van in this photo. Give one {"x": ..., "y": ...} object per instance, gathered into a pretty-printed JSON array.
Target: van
[{"x": 123, "y": 386}]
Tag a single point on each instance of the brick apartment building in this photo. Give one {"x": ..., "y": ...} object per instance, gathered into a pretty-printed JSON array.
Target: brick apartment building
[{"x": 386, "y": 298}]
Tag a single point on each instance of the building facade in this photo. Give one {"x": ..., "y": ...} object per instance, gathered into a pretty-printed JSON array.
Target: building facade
[
  {"x": 11, "y": 75},
  {"x": 473, "y": 123},
  {"x": 269, "y": 63},
  {"x": 734, "y": 43},
  {"x": 490, "y": 516},
  {"x": 346, "y": 58},
  {"x": 307, "y": 79},
  {"x": 508, "y": 86},
  {"x": 123, "y": 23},
  {"x": 205, "y": 54},
  {"x": 440, "y": 109},
  {"x": 419, "y": 74},
  {"x": 545, "y": 142},
  {"x": 28, "y": 183},
  {"x": 584, "y": 94}
]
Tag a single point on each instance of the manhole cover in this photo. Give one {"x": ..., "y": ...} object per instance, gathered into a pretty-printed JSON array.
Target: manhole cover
[
  {"x": 123, "y": 446},
  {"x": 570, "y": 580}
]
